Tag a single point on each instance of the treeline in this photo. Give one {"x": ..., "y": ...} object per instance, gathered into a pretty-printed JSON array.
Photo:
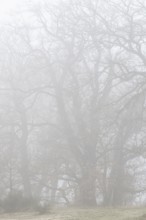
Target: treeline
[{"x": 73, "y": 103}]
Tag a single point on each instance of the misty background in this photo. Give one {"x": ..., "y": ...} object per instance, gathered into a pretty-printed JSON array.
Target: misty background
[{"x": 73, "y": 103}]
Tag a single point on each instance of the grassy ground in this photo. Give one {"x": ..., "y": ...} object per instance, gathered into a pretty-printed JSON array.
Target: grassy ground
[{"x": 78, "y": 214}]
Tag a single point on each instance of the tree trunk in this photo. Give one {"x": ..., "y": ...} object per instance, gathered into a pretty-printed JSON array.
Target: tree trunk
[
  {"x": 24, "y": 151},
  {"x": 117, "y": 175},
  {"x": 87, "y": 188},
  {"x": 24, "y": 158}
]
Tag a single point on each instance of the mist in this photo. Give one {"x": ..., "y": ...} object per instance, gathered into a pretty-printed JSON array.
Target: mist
[{"x": 72, "y": 104}]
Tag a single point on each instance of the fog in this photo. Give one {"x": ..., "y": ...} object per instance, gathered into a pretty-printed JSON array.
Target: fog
[{"x": 72, "y": 104}]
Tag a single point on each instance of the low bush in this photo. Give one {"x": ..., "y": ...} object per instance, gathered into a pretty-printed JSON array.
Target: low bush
[{"x": 16, "y": 202}]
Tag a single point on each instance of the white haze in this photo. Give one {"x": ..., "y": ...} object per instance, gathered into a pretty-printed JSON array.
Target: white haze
[{"x": 72, "y": 103}]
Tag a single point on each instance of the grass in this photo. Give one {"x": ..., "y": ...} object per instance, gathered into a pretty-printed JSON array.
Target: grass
[{"x": 82, "y": 214}]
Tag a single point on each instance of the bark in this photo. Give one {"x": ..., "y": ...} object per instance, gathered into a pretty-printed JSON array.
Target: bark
[
  {"x": 115, "y": 194},
  {"x": 24, "y": 157},
  {"x": 23, "y": 147},
  {"x": 86, "y": 158},
  {"x": 87, "y": 188}
]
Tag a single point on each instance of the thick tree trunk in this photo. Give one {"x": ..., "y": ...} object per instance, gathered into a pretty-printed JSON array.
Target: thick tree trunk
[
  {"x": 116, "y": 191},
  {"x": 118, "y": 181},
  {"x": 25, "y": 173},
  {"x": 85, "y": 157},
  {"x": 87, "y": 188},
  {"x": 24, "y": 151},
  {"x": 23, "y": 142}
]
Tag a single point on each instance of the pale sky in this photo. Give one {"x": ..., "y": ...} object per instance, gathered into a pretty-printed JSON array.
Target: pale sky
[{"x": 7, "y": 5}]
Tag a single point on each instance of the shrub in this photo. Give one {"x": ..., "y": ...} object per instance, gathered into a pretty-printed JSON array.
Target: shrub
[{"x": 16, "y": 202}]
